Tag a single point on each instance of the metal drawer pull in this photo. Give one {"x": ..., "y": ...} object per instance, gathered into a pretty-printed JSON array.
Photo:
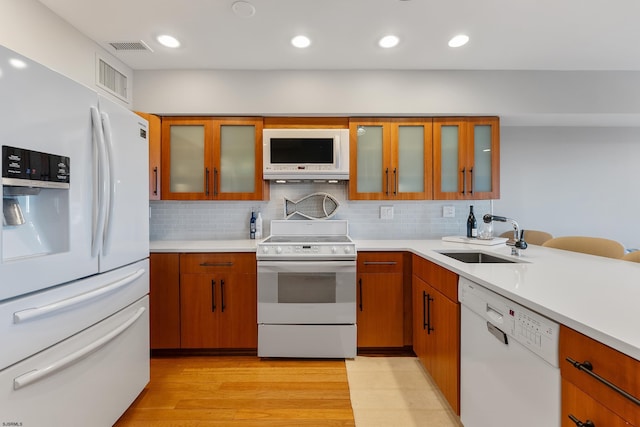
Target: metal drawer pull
[
  {"x": 587, "y": 368},
  {"x": 216, "y": 264},
  {"x": 579, "y": 423},
  {"x": 380, "y": 263}
]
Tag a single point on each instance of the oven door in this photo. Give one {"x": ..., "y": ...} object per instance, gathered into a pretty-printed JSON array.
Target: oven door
[{"x": 307, "y": 292}]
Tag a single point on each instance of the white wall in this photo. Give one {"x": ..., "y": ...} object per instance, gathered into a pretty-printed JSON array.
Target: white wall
[
  {"x": 31, "y": 29},
  {"x": 572, "y": 181}
]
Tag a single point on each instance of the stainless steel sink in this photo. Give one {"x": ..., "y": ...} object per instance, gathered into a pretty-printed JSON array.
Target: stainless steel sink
[{"x": 477, "y": 258}]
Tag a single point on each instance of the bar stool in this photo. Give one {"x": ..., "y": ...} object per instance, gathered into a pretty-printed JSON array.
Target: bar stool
[{"x": 587, "y": 245}]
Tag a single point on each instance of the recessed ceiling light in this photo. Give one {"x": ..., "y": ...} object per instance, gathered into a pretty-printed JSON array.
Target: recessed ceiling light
[
  {"x": 389, "y": 41},
  {"x": 168, "y": 41},
  {"x": 301, "y": 41},
  {"x": 459, "y": 40}
]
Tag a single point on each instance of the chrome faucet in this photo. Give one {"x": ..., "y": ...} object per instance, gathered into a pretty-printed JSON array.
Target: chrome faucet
[{"x": 517, "y": 243}]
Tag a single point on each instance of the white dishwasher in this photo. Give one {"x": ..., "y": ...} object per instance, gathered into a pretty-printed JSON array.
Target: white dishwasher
[{"x": 509, "y": 372}]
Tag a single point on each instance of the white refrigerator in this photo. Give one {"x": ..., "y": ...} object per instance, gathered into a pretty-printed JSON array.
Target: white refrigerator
[{"x": 74, "y": 247}]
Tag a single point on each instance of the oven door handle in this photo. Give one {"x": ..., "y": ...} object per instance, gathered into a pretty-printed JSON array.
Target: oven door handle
[{"x": 312, "y": 266}]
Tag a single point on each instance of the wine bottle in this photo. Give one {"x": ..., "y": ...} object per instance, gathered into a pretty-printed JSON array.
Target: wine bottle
[{"x": 472, "y": 225}]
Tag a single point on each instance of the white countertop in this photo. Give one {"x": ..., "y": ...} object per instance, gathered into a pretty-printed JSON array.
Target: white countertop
[{"x": 597, "y": 296}]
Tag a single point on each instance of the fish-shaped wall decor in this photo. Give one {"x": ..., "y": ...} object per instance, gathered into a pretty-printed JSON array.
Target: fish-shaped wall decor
[{"x": 313, "y": 206}]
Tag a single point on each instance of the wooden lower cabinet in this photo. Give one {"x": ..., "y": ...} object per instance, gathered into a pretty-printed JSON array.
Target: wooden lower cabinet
[
  {"x": 218, "y": 301},
  {"x": 164, "y": 300},
  {"x": 436, "y": 326},
  {"x": 586, "y": 398},
  {"x": 380, "y": 299}
]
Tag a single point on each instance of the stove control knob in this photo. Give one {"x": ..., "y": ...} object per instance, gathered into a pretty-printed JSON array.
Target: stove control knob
[
  {"x": 334, "y": 249},
  {"x": 347, "y": 250},
  {"x": 265, "y": 249},
  {"x": 278, "y": 250}
]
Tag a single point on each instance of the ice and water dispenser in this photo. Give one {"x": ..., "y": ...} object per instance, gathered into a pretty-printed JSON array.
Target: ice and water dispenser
[{"x": 35, "y": 203}]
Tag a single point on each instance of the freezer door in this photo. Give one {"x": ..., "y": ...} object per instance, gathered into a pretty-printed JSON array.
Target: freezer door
[
  {"x": 41, "y": 110},
  {"x": 126, "y": 233},
  {"x": 34, "y": 322},
  {"x": 89, "y": 379}
]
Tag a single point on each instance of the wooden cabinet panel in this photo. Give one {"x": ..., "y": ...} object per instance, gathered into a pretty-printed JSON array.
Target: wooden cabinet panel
[
  {"x": 466, "y": 158},
  {"x": 615, "y": 367},
  {"x": 583, "y": 408},
  {"x": 390, "y": 159},
  {"x": 440, "y": 278},
  {"x": 380, "y": 299},
  {"x": 436, "y": 334},
  {"x": 164, "y": 300},
  {"x": 218, "y": 300},
  {"x": 154, "y": 137},
  {"x": 212, "y": 158}
]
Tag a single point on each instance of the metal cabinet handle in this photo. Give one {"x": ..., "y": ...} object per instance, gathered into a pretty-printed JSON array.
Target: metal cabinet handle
[
  {"x": 386, "y": 173},
  {"x": 471, "y": 181},
  {"x": 216, "y": 264},
  {"x": 155, "y": 178},
  {"x": 587, "y": 368},
  {"x": 206, "y": 181},
  {"x": 215, "y": 182},
  {"x": 579, "y": 423},
  {"x": 360, "y": 300},
  {"x": 429, "y": 328},
  {"x": 426, "y": 312},
  {"x": 380, "y": 263},
  {"x": 395, "y": 181},
  {"x": 222, "y": 304},
  {"x": 464, "y": 180},
  {"x": 213, "y": 296}
]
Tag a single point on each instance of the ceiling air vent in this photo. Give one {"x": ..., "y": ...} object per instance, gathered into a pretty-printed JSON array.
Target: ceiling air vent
[
  {"x": 130, "y": 46},
  {"x": 112, "y": 80}
]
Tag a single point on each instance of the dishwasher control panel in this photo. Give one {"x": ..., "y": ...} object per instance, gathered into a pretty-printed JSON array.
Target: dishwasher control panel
[{"x": 536, "y": 332}]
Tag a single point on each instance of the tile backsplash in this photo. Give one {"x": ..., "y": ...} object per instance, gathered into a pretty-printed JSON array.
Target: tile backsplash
[{"x": 229, "y": 220}]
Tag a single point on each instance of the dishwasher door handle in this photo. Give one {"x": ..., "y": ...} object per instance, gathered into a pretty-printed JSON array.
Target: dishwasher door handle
[{"x": 497, "y": 332}]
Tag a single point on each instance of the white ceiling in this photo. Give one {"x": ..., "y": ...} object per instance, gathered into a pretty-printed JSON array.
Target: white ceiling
[{"x": 505, "y": 34}]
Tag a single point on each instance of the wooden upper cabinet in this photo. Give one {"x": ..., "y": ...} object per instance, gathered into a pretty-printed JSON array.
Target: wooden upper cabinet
[
  {"x": 155, "y": 129},
  {"x": 466, "y": 156},
  {"x": 390, "y": 159},
  {"x": 205, "y": 158}
]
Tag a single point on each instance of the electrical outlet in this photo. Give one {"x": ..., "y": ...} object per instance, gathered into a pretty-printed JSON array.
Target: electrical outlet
[
  {"x": 386, "y": 212},
  {"x": 448, "y": 212}
]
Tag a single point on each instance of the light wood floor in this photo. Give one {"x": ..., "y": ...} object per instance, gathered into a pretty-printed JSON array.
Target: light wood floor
[{"x": 242, "y": 391}]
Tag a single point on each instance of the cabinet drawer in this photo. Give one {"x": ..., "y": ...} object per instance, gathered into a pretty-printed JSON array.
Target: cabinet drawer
[
  {"x": 580, "y": 405},
  {"x": 380, "y": 262},
  {"x": 438, "y": 277},
  {"x": 610, "y": 364},
  {"x": 217, "y": 262}
]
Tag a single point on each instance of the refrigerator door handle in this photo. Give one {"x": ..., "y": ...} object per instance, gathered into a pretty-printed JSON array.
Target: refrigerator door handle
[
  {"x": 38, "y": 374},
  {"x": 108, "y": 139},
  {"x": 34, "y": 313},
  {"x": 103, "y": 182}
]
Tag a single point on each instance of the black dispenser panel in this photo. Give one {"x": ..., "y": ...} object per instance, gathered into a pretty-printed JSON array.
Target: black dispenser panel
[{"x": 30, "y": 168}]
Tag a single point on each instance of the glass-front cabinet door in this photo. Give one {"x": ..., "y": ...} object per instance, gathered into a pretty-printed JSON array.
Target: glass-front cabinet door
[
  {"x": 212, "y": 158},
  {"x": 238, "y": 153},
  {"x": 186, "y": 151},
  {"x": 466, "y": 154},
  {"x": 390, "y": 159}
]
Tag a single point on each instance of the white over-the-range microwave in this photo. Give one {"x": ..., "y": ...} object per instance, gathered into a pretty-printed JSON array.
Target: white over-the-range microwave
[{"x": 305, "y": 154}]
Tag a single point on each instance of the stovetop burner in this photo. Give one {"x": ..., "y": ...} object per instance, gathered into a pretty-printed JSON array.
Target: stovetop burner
[{"x": 311, "y": 239}]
